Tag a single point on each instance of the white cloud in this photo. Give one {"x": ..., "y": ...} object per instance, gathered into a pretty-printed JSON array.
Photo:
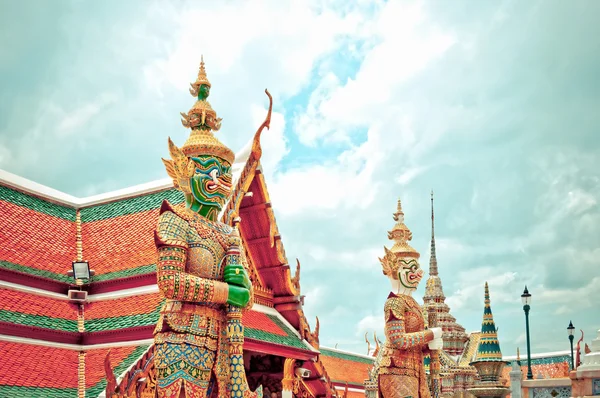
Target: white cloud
[
  {"x": 410, "y": 174},
  {"x": 471, "y": 282},
  {"x": 406, "y": 44},
  {"x": 348, "y": 182},
  {"x": 73, "y": 121},
  {"x": 286, "y": 38},
  {"x": 371, "y": 323}
]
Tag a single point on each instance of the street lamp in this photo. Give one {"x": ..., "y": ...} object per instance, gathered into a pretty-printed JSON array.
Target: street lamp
[
  {"x": 570, "y": 330},
  {"x": 526, "y": 298}
]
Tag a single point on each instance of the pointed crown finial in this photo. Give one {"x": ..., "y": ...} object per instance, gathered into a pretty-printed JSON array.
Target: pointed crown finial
[
  {"x": 399, "y": 214},
  {"x": 400, "y": 235},
  {"x": 202, "y": 78}
]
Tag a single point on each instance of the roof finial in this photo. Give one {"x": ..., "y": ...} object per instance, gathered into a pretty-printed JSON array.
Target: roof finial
[{"x": 433, "y": 268}]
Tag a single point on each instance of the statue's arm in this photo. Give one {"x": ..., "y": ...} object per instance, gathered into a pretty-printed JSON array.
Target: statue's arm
[
  {"x": 395, "y": 329},
  {"x": 173, "y": 281}
]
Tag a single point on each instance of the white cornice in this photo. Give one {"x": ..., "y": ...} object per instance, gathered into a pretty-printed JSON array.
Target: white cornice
[
  {"x": 32, "y": 290},
  {"x": 75, "y": 347},
  {"x": 52, "y": 195},
  {"x": 537, "y": 356}
]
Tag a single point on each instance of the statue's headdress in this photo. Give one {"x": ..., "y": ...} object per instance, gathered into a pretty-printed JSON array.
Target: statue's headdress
[
  {"x": 400, "y": 235},
  {"x": 203, "y": 122}
]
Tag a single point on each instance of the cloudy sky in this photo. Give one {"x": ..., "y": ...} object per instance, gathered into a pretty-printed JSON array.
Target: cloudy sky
[{"x": 494, "y": 105}]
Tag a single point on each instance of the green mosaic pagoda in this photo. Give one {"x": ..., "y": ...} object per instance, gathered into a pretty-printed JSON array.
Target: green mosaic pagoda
[
  {"x": 489, "y": 346},
  {"x": 488, "y": 359}
]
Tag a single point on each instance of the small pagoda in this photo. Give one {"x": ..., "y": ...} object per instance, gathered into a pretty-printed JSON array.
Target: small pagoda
[{"x": 488, "y": 360}]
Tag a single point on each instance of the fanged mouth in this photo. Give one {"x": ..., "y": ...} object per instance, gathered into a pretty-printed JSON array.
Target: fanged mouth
[{"x": 223, "y": 181}]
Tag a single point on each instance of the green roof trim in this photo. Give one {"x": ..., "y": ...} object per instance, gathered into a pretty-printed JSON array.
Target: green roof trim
[
  {"x": 99, "y": 387},
  {"x": 543, "y": 361},
  {"x": 130, "y": 206},
  {"x": 144, "y": 269},
  {"x": 36, "y": 392},
  {"x": 36, "y": 204},
  {"x": 40, "y": 321},
  {"x": 35, "y": 271},
  {"x": 291, "y": 340},
  {"x": 123, "y": 322},
  {"x": 345, "y": 356}
]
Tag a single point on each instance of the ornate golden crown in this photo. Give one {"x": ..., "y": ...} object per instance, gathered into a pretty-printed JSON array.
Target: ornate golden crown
[
  {"x": 400, "y": 235},
  {"x": 202, "y": 140}
]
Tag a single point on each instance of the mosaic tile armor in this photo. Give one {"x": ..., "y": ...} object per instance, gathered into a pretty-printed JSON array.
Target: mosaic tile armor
[
  {"x": 191, "y": 337},
  {"x": 201, "y": 270},
  {"x": 401, "y": 370}
]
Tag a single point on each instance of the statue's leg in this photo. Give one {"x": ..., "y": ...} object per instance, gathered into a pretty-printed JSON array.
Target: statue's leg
[
  {"x": 183, "y": 368},
  {"x": 395, "y": 386}
]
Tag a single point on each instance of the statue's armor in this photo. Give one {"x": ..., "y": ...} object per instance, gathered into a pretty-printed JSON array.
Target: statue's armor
[
  {"x": 191, "y": 327},
  {"x": 401, "y": 370}
]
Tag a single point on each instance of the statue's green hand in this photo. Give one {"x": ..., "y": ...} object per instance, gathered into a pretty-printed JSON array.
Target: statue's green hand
[
  {"x": 238, "y": 296},
  {"x": 236, "y": 275}
]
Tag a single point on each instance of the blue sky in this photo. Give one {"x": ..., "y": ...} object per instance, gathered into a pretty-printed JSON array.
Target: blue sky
[{"x": 493, "y": 105}]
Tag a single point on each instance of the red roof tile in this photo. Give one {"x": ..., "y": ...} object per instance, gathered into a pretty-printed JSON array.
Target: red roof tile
[
  {"x": 345, "y": 367},
  {"x": 37, "y": 366},
  {"x": 134, "y": 305},
  {"x": 36, "y": 239},
  {"x": 94, "y": 362},
  {"x": 120, "y": 243},
  {"x": 32, "y": 304},
  {"x": 260, "y": 321}
]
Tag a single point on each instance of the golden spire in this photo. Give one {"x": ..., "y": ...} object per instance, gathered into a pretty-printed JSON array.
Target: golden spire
[
  {"x": 401, "y": 235},
  {"x": 200, "y": 80},
  {"x": 203, "y": 121}
]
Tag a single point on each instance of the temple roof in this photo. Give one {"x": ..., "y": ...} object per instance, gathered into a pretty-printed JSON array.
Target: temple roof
[
  {"x": 32, "y": 371},
  {"x": 346, "y": 367},
  {"x": 44, "y": 230}
]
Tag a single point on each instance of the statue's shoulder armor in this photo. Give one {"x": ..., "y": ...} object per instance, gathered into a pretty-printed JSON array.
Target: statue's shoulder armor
[
  {"x": 171, "y": 230},
  {"x": 395, "y": 306}
]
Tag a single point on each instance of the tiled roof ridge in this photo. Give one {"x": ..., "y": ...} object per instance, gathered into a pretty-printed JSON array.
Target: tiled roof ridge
[
  {"x": 74, "y": 347},
  {"x": 55, "y": 196},
  {"x": 350, "y": 353}
]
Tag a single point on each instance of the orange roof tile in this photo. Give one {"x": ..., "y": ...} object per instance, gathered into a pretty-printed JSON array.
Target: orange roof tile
[
  {"x": 32, "y": 304},
  {"x": 36, "y": 240},
  {"x": 37, "y": 366},
  {"x": 133, "y": 305},
  {"x": 342, "y": 367},
  {"x": 120, "y": 243}
]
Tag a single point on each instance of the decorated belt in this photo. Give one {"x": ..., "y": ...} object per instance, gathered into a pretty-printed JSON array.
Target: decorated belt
[{"x": 208, "y": 309}]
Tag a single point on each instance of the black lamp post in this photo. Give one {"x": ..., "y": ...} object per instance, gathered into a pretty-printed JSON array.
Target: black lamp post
[
  {"x": 526, "y": 298},
  {"x": 570, "y": 329}
]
